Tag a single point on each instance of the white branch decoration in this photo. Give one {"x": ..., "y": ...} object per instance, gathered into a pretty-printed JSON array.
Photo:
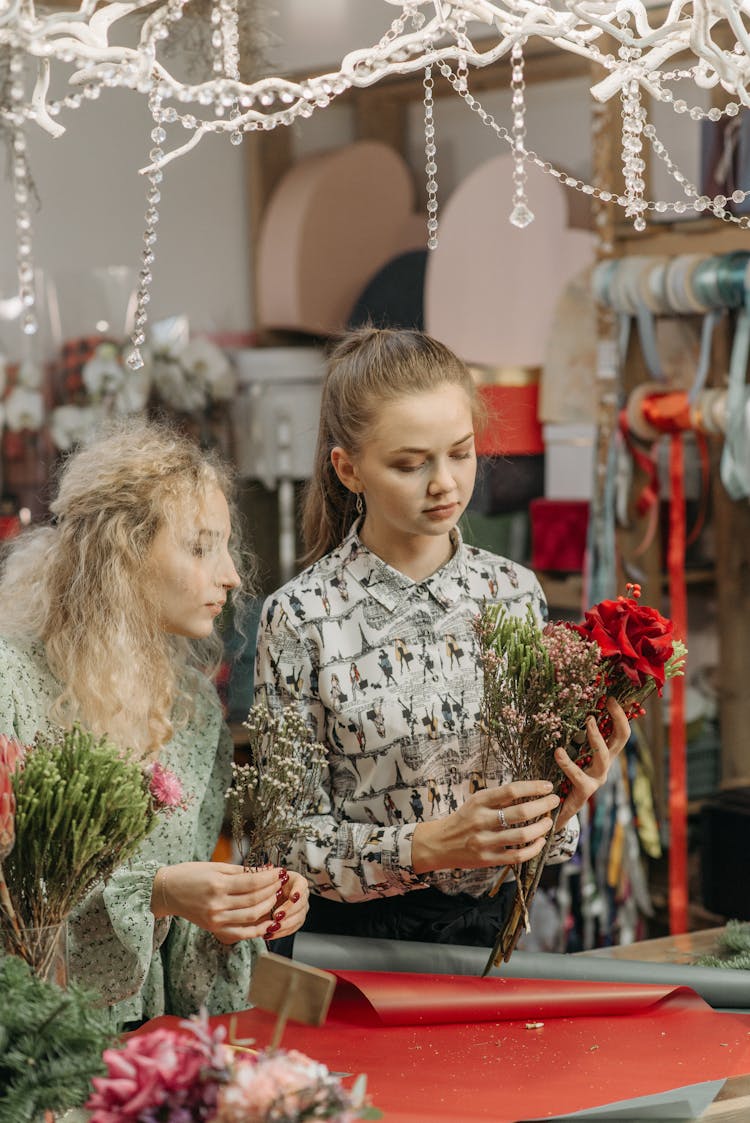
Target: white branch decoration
[
  {"x": 579, "y": 26},
  {"x": 706, "y": 43}
]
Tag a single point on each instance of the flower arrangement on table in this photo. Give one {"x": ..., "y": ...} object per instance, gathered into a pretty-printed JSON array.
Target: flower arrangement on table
[
  {"x": 192, "y": 377},
  {"x": 192, "y": 1074},
  {"x": 541, "y": 683},
  {"x": 274, "y": 790},
  {"x": 72, "y": 809}
]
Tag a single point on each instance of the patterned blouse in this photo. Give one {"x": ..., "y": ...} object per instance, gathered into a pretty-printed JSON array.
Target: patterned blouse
[
  {"x": 386, "y": 671},
  {"x": 144, "y": 967}
]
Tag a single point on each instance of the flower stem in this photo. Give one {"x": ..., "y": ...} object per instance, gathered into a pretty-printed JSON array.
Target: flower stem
[{"x": 527, "y": 882}]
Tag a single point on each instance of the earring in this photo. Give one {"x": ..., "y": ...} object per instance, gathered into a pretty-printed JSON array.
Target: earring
[{"x": 359, "y": 504}]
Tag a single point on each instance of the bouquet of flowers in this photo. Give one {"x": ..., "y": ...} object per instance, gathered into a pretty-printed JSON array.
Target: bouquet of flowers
[
  {"x": 72, "y": 809},
  {"x": 192, "y": 1074},
  {"x": 273, "y": 792},
  {"x": 540, "y": 686}
]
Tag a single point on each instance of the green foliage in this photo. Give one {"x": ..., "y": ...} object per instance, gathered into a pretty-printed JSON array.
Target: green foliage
[
  {"x": 82, "y": 809},
  {"x": 51, "y": 1044},
  {"x": 734, "y": 948},
  {"x": 538, "y": 689}
]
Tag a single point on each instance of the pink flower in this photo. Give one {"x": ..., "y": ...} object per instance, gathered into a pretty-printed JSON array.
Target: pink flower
[
  {"x": 287, "y": 1084},
  {"x": 165, "y": 787},
  {"x": 11, "y": 757},
  {"x": 12, "y": 753},
  {"x": 143, "y": 1074}
]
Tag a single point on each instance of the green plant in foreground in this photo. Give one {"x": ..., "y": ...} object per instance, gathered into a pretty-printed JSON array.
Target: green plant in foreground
[
  {"x": 82, "y": 809},
  {"x": 51, "y": 1044}
]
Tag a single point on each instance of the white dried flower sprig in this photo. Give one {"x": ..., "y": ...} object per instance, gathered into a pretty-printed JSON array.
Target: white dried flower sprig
[{"x": 274, "y": 791}]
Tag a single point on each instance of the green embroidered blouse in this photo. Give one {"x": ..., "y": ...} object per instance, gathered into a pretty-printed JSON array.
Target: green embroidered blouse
[{"x": 142, "y": 966}]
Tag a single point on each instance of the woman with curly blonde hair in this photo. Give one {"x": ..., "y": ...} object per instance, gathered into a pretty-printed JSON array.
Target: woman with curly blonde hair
[{"x": 107, "y": 619}]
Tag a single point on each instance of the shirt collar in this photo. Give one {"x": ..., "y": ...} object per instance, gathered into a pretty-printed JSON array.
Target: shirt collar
[{"x": 393, "y": 589}]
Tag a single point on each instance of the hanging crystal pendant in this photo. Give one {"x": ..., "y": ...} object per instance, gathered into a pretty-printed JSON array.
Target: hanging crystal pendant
[
  {"x": 22, "y": 192},
  {"x": 521, "y": 214},
  {"x": 430, "y": 165}
]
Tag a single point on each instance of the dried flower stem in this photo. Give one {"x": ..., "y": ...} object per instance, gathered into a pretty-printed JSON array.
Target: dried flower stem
[{"x": 273, "y": 792}]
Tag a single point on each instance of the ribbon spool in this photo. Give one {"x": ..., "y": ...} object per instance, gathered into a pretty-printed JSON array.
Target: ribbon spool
[
  {"x": 735, "y": 456},
  {"x": 712, "y": 407},
  {"x": 652, "y": 411}
]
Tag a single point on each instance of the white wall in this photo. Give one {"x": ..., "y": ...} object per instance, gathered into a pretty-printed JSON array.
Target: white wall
[
  {"x": 93, "y": 202},
  {"x": 92, "y": 198}
]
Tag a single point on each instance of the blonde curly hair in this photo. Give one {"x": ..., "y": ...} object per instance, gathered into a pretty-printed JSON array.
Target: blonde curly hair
[{"x": 81, "y": 585}]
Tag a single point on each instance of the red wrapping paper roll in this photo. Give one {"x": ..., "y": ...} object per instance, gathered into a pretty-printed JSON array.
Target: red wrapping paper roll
[{"x": 441, "y": 1047}]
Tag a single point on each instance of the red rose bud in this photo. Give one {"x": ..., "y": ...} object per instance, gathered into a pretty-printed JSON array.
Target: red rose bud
[
  {"x": 7, "y": 815},
  {"x": 11, "y": 758},
  {"x": 12, "y": 753}
]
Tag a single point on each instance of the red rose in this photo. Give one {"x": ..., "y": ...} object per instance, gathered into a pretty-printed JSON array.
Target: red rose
[{"x": 638, "y": 639}]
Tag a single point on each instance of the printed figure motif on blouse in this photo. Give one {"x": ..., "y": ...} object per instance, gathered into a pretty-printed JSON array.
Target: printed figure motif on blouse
[{"x": 387, "y": 671}]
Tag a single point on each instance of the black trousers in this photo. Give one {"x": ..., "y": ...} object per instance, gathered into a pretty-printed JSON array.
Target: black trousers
[{"x": 422, "y": 914}]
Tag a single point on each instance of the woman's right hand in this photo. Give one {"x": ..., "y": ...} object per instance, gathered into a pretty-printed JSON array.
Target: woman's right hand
[
  {"x": 219, "y": 897},
  {"x": 494, "y": 827}
]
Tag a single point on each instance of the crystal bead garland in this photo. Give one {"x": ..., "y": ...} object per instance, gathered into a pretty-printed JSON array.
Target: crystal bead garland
[
  {"x": 521, "y": 215},
  {"x": 633, "y": 118},
  {"x": 700, "y": 202},
  {"x": 430, "y": 167},
  {"x": 154, "y": 177},
  {"x": 225, "y": 40},
  {"x": 22, "y": 199}
]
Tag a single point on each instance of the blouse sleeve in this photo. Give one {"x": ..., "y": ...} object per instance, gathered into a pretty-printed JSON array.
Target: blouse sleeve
[
  {"x": 199, "y": 970},
  {"x": 341, "y": 859},
  {"x": 114, "y": 935},
  {"x": 149, "y": 966}
]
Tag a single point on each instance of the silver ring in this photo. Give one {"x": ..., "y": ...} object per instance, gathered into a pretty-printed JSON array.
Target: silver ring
[{"x": 503, "y": 820}]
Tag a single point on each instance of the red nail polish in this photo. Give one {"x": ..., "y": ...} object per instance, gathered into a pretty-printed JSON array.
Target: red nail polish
[
  {"x": 268, "y": 933},
  {"x": 274, "y": 928},
  {"x": 295, "y": 897},
  {"x": 279, "y": 915}
]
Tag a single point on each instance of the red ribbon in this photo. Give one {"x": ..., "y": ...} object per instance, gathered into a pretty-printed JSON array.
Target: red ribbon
[
  {"x": 677, "y": 800},
  {"x": 671, "y": 413}
]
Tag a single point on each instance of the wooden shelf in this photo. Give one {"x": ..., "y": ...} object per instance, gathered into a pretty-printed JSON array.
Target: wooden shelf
[
  {"x": 563, "y": 590},
  {"x": 689, "y": 235},
  {"x": 566, "y": 590}
]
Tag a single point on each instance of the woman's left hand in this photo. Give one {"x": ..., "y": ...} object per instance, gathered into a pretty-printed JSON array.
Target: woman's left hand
[
  {"x": 585, "y": 782},
  {"x": 290, "y": 910}
]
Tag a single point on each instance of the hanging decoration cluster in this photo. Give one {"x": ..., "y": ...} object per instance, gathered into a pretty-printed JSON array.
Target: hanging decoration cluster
[{"x": 700, "y": 43}]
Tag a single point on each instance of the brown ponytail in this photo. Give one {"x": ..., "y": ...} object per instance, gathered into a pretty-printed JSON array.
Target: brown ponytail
[{"x": 368, "y": 368}]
